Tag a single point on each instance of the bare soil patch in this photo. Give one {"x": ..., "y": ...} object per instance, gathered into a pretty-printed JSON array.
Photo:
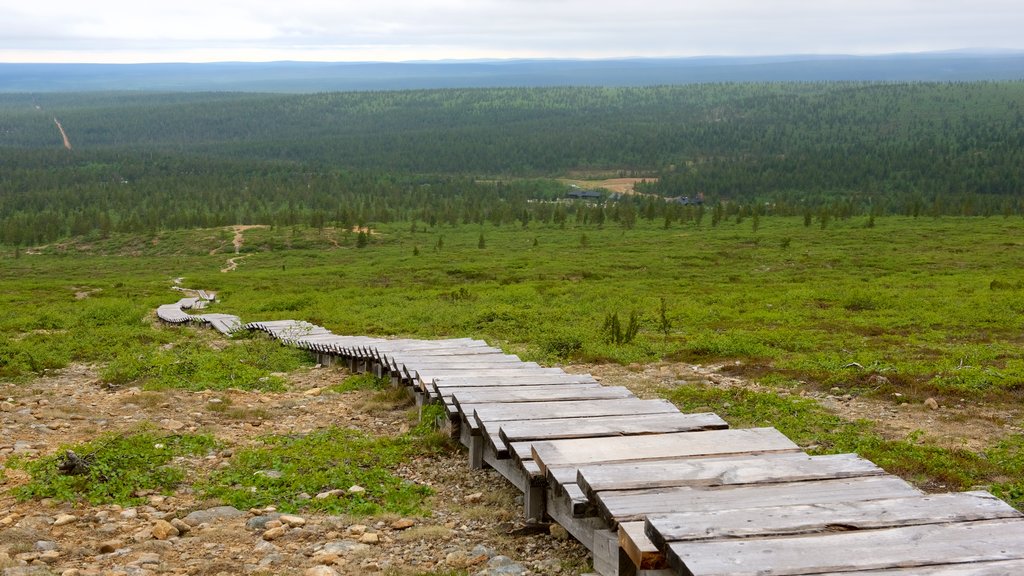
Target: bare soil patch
[
  {"x": 616, "y": 185},
  {"x": 473, "y": 512}
]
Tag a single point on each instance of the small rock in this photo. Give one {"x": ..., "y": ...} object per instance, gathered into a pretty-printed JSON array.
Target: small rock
[
  {"x": 71, "y": 572},
  {"x": 313, "y": 392},
  {"x": 182, "y": 527},
  {"x": 356, "y": 529},
  {"x": 403, "y": 524},
  {"x": 558, "y": 532},
  {"x": 932, "y": 403},
  {"x": 274, "y": 533},
  {"x": 275, "y": 474},
  {"x": 292, "y": 520},
  {"x": 163, "y": 530},
  {"x": 481, "y": 550},
  {"x": 45, "y": 545},
  {"x": 474, "y": 497},
  {"x": 260, "y": 522},
  {"x": 356, "y": 489},
  {"x": 50, "y": 556},
  {"x": 6, "y": 407},
  {"x": 321, "y": 571},
  {"x": 211, "y": 514},
  {"x": 171, "y": 424},
  {"x": 369, "y": 538},
  {"x": 64, "y": 519},
  {"x": 341, "y": 548},
  {"x": 329, "y": 494}
]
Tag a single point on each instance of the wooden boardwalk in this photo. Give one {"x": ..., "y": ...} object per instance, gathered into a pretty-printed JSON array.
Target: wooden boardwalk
[{"x": 655, "y": 492}]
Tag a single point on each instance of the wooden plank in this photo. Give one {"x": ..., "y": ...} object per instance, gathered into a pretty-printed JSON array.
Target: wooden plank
[
  {"x": 507, "y": 394},
  {"x": 905, "y": 547},
  {"x": 820, "y": 517},
  {"x": 580, "y": 451},
  {"x": 786, "y": 467},
  {"x": 999, "y": 568},
  {"x": 630, "y": 505},
  {"x": 644, "y": 554},
  {"x": 472, "y": 380},
  {"x": 559, "y": 428},
  {"x": 482, "y": 395},
  {"x": 497, "y": 412}
]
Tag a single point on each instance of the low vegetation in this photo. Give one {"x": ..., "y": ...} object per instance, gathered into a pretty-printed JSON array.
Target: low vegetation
[
  {"x": 290, "y": 473},
  {"x": 119, "y": 469}
]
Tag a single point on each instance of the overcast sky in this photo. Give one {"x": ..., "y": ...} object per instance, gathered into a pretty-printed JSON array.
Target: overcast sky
[{"x": 398, "y": 30}]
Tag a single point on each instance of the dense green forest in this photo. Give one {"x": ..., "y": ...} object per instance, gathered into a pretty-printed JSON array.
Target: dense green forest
[{"x": 144, "y": 161}]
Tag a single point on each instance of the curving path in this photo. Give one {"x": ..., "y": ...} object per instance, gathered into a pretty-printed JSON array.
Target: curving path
[{"x": 652, "y": 491}]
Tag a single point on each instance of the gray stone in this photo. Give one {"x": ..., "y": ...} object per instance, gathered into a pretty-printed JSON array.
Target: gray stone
[
  {"x": 481, "y": 550},
  {"x": 45, "y": 545},
  {"x": 502, "y": 566},
  {"x": 342, "y": 547},
  {"x": 213, "y": 514},
  {"x": 259, "y": 523}
]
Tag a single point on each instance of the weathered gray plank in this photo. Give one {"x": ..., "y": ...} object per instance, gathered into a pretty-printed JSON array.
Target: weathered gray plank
[
  {"x": 509, "y": 394},
  {"x": 629, "y": 505},
  {"x": 823, "y": 516},
  {"x": 559, "y": 428},
  {"x": 790, "y": 467},
  {"x": 998, "y": 568},
  {"x": 906, "y": 547},
  {"x": 497, "y": 412},
  {"x": 581, "y": 451},
  {"x": 472, "y": 380}
]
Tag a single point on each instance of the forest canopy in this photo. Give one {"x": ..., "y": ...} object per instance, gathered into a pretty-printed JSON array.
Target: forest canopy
[{"x": 145, "y": 161}]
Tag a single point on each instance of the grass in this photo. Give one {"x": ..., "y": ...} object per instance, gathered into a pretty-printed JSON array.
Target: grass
[
  {"x": 999, "y": 469},
  {"x": 364, "y": 381},
  {"x": 928, "y": 303},
  {"x": 118, "y": 468},
  {"x": 287, "y": 471}
]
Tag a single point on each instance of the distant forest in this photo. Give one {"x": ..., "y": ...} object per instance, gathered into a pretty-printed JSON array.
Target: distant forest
[{"x": 148, "y": 161}]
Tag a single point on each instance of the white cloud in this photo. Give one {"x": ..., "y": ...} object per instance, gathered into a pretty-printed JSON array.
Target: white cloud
[{"x": 140, "y": 30}]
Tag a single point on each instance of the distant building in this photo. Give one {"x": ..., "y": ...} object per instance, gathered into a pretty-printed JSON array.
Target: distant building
[{"x": 577, "y": 193}]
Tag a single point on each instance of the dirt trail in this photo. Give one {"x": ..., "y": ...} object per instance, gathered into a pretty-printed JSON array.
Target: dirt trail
[
  {"x": 238, "y": 242},
  {"x": 63, "y": 134}
]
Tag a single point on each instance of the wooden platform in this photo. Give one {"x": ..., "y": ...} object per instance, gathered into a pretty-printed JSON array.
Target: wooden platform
[{"x": 655, "y": 492}]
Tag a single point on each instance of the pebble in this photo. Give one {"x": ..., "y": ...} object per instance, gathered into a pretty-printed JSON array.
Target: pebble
[
  {"x": 163, "y": 530},
  {"x": 341, "y": 548},
  {"x": 474, "y": 497},
  {"x": 259, "y": 523},
  {"x": 369, "y": 538},
  {"x": 329, "y": 494},
  {"x": 274, "y": 533},
  {"x": 171, "y": 424},
  {"x": 356, "y": 489},
  {"x": 180, "y": 524},
  {"x": 212, "y": 514},
  {"x": 292, "y": 520},
  {"x": 403, "y": 524},
  {"x": 63, "y": 519},
  {"x": 932, "y": 403},
  {"x": 357, "y": 529}
]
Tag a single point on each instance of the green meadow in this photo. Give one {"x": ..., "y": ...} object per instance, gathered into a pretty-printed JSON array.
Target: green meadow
[{"x": 931, "y": 304}]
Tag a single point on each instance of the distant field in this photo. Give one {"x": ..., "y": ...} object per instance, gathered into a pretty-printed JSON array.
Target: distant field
[{"x": 933, "y": 305}]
